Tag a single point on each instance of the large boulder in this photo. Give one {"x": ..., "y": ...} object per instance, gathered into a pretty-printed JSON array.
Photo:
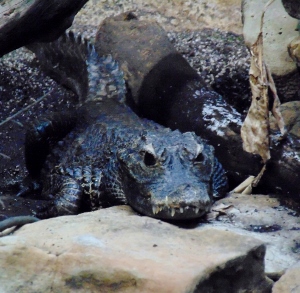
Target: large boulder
[
  {"x": 115, "y": 250},
  {"x": 279, "y": 30},
  {"x": 289, "y": 282},
  {"x": 263, "y": 218}
]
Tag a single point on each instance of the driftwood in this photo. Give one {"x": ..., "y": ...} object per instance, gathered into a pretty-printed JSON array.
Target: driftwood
[
  {"x": 166, "y": 89},
  {"x": 23, "y": 22}
]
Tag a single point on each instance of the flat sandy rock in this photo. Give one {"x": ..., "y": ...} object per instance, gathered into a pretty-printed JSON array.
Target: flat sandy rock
[
  {"x": 264, "y": 218},
  {"x": 289, "y": 282},
  {"x": 115, "y": 250}
]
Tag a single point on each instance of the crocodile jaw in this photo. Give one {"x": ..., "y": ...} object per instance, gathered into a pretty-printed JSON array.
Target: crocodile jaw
[{"x": 185, "y": 203}]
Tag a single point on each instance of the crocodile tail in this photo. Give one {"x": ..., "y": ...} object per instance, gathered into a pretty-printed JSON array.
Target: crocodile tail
[{"x": 73, "y": 61}]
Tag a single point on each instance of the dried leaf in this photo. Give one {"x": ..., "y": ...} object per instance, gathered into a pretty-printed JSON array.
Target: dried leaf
[
  {"x": 294, "y": 50},
  {"x": 247, "y": 185},
  {"x": 220, "y": 210},
  {"x": 244, "y": 186},
  {"x": 258, "y": 177},
  {"x": 255, "y": 129},
  {"x": 210, "y": 216},
  {"x": 276, "y": 104}
]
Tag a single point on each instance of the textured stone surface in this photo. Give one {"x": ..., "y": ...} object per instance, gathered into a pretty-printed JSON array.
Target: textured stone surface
[
  {"x": 291, "y": 115},
  {"x": 289, "y": 282},
  {"x": 115, "y": 250},
  {"x": 279, "y": 30},
  {"x": 264, "y": 218}
]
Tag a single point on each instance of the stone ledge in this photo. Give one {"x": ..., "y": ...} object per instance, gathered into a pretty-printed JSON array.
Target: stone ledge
[
  {"x": 115, "y": 250},
  {"x": 289, "y": 282}
]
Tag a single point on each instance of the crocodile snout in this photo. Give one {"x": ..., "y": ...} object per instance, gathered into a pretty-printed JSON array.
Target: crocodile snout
[{"x": 187, "y": 201}]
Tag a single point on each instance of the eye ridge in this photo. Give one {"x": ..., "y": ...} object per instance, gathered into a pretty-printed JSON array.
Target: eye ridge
[{"x": 149, "y": 159}]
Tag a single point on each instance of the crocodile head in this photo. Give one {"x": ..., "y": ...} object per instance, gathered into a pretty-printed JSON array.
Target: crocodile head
[{"x": 168, "y": 176}]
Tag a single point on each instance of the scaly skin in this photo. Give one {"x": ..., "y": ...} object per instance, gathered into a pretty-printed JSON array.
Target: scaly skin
[{"x": 112, "y": 156}]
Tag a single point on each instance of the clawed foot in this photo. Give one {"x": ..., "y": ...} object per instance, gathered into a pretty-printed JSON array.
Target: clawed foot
[
  {"x": 29, "y": 187},
  {"x": 46, "y": 210}
]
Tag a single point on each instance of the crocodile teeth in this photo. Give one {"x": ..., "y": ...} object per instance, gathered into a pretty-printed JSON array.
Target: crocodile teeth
[
  {"x": 153, "y": 210},
  {"x": 197, "y": 210},
  {"x": 167, "y": 201},
  {"x": 181, "y": 210},
  {"x": 156, "y": 209},
  {"x": 173, "y": 212}
]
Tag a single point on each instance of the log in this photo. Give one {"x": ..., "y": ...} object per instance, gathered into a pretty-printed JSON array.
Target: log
[{"x": 24, "y": 22}]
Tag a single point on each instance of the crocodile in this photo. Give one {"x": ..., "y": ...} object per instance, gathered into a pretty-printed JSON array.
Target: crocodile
[{"x": 103, "y": 154}]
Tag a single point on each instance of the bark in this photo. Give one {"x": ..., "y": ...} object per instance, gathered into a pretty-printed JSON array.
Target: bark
[{"x": 24, "y": 22}]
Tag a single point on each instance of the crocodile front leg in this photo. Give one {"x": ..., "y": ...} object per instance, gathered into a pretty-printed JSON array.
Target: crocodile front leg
[
  {"x": 65, "y": 195},
  {"x": 71, "y": 191},
  {"x": 43, "y": 134}
]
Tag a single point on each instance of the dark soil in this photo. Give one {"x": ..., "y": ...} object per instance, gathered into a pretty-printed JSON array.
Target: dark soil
[{"x": 22, "y": 83}]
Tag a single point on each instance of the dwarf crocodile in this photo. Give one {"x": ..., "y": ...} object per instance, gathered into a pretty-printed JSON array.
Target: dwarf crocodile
[{"x": 103, "y": 154}]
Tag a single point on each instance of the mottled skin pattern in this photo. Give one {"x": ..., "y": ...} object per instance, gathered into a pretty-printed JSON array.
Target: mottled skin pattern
[{"x": 111, "y": 156}]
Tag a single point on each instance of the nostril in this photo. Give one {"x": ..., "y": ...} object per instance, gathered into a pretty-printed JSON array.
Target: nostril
[
  {"x": 149, "y": 159},
  {"x": 199, "y": 158}
]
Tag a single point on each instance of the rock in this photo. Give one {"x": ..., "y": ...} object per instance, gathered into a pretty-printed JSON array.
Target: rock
[
  {"x": 264, "y": 218},
  {"x": 279, "y": 30},
  {"x": 289, "y": 282},
  {"x": 23, "y": 22},
  {"x": 291, "y": 116},
  {"x": 115, "y": 250}
]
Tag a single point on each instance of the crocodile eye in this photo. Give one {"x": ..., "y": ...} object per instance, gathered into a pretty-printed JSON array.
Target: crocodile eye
[
  {"x": 149, "y": 159},
  {"x": 199, "y": 158}
]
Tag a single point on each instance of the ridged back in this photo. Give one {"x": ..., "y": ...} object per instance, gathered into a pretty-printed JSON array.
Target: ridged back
[{"x": 73, "y": 61}]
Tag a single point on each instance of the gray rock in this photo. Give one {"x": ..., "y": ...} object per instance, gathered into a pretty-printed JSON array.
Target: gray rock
[
  {"x": 291, "y": 116},
  {"x": 264, "y": 218},
  {"x": 279, "y": 30},
  {"x": 115, "y": 250},
  {"x": 289, "y": 282}
]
